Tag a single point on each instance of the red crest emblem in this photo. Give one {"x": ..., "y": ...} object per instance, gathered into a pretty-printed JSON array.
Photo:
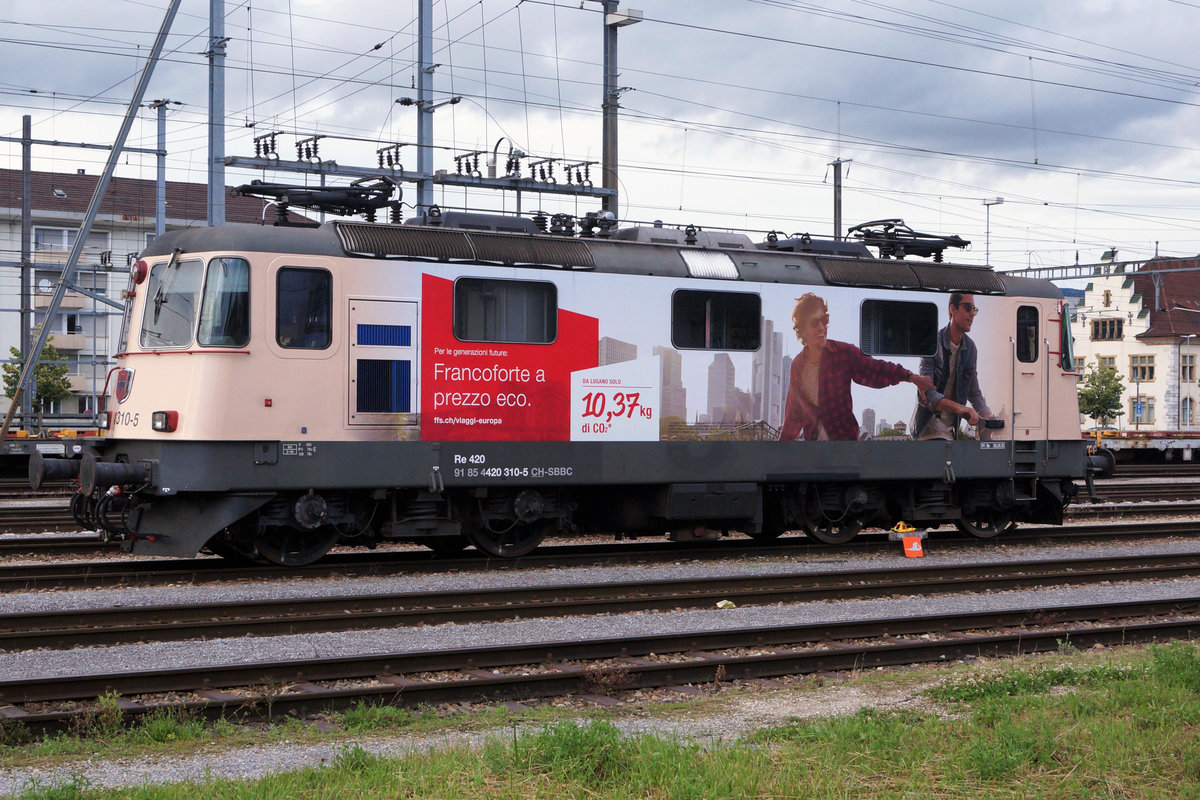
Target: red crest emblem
[{"x": 124, "y": 384}]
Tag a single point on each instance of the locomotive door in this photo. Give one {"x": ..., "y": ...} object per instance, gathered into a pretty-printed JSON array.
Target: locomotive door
[
  {"x": 1029, "y": 370},
  {"x": 383, "y": 362}
]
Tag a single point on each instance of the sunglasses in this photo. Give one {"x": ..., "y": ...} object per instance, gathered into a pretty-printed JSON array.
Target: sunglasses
[{"x": 968, "y": 307}]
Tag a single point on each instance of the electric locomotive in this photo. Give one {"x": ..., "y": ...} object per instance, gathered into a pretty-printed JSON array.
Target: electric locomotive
[{"x": 485, "y": 380}]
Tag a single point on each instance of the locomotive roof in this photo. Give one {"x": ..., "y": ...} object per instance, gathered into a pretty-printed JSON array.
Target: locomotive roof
[{"x": 725, "y": 256}]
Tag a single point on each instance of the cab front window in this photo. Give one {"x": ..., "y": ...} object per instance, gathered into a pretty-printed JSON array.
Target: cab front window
[
  {"x": 169, "y": 319},
  {"x": 225, "y": 309}
]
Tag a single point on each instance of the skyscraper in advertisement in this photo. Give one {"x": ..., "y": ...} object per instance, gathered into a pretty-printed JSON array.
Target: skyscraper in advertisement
[
  {"x": 768, "y": 385},
  {"x": 674, "y": 396},
  {"x": 722, "y": 391}
]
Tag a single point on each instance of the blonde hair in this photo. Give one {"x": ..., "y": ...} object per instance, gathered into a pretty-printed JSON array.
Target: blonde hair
[{"x": 808, "y": 305}]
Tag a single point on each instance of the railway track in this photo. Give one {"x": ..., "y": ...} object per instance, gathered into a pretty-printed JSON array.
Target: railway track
[
  {"x": 75, "y": 574},
  {"x": 175, "y": 622},
  {"x": 594, "y": 669}
]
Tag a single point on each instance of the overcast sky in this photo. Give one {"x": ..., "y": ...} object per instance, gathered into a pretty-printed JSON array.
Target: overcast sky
[{"x": 1081, "y": 115}]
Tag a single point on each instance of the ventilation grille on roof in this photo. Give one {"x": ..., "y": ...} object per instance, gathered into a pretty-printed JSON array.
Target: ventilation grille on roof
[
  {"x": 896, "y": 274},
  {"x": 442, "y": 244},
  {"x": 448, "y": 244}
]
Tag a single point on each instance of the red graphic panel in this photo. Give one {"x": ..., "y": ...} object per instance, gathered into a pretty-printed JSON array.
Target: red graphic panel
[{"x": 485, "y": 391}]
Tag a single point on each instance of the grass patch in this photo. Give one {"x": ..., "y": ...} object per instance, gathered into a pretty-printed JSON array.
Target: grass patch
[{"x": 1065, "y": 726}]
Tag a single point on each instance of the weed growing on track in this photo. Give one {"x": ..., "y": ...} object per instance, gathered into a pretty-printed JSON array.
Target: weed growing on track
[{"x": 1111, "y": 724}]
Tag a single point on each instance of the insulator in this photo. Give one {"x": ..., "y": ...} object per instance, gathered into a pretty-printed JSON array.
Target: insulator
[
  {"x": 396, "y": 220},
  {"x": 299, "y": 151},
  {"x": 458, "y": 165},
  {"x": 541, "y": 221},
  {"x": 476, "y": 167},
  {"x": 369, "y": 215},
  {"x": 689, "y": 234}
]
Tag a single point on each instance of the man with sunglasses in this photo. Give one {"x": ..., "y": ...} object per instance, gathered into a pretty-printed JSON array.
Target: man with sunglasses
[{"x": 954, "y": 370}]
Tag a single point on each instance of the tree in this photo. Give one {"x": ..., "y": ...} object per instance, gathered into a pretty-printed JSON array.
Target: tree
[
  {"x": 51, "y": 378},
  {"x": 1100, "y": 395}
]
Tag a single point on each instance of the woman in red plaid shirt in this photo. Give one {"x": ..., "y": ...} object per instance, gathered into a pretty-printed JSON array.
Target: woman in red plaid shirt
[{"x": 819, "y": 406}]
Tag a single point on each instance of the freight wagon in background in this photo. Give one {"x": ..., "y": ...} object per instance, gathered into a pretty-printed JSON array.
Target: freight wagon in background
[{"x": 489, "y": 381}]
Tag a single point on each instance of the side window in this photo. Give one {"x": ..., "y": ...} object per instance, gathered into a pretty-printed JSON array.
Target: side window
[
  {"x": 895, "y": 328},
  {"x": 169, "y": 319},
  {"x": 1066, "y": 342},
  {"x": 516, "y": 312},
  {"x": 304, "y": 298},
  {"x": 1027, "y": 334},
  {"x": 225, "y": 307},
  {"x": 715, "y": 320}
]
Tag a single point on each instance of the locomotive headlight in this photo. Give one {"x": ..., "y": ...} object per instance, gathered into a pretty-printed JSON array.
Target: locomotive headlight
[
  {"x": 104, "y": 420},
  {"x": 165, "y": 421}
]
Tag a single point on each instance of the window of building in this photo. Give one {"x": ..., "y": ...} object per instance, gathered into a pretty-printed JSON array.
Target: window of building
[
  {"x": 1187, "y": 411},
  {"x": 716, "y": 320},
  {"x": 1027, "y": 334},
  {"x": 169, "y": 318},
  {"x": 1141, "y": 409},
  {"x": 489, "y": 310},
  {"x": 892, "y": 328},
  {"x": 1104, "y": 330},
  {"x": 1141, "y": 368},
  {"x": 1081, "y": 373},
  {"x": 63, "y": 239},
  {"x": 304, "y": 299},
  {"x": 1187, "y": 368},
  {"x": 1106, "y": 362},
  {"x": 225, "y": 307},
  {"x": 1107, "y": 298}
]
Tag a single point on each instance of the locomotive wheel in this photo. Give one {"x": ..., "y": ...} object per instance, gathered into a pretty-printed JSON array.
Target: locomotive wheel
[
  {"x": 985, "y": 523},
  {"x": 833, "y": 532},
  {"x": 290, "y": 547},
  {"x": 229, "y": 552},
  {"x": 512, "y": 540}
]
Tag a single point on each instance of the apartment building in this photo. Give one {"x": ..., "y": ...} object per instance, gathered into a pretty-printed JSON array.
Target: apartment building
[
  {"x": 1145, "y": 324},
  {"x": 85, "y": 330}
]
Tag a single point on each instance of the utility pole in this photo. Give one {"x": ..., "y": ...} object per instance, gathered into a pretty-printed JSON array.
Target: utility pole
[
  {"x": 425, "y": 68},
  {"x": 837, "y": 197},
  {"x": 160, "y": 186},
  {"x": 216, "y": 112},
  {"x": 26, "y": 259},
  {"x": 613, "y": 19}
]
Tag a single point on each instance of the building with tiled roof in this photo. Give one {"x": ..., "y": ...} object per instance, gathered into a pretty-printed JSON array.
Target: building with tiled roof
[
  {"x": 85, "y": 330},
  {"x": 1144, "y": 322}
]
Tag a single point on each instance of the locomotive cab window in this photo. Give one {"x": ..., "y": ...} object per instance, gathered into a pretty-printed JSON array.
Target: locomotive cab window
[
  {"x": 895, "y": 328},
  {"x": 303, "y": 301},
  {"x": 169, "y": 319},
  {"x": 225, "y": 307},
  {"x": 1027, "y": 334},
  {"x": 715, "y": 320},
  {"x": 515, "y": 312}
]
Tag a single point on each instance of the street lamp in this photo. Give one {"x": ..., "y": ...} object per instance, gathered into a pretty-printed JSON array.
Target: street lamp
[{"x": 987, "y": 204}]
